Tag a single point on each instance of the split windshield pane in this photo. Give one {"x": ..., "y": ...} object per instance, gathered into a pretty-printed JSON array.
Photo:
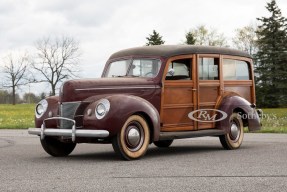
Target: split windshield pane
[{"x": 136, "y": 68}]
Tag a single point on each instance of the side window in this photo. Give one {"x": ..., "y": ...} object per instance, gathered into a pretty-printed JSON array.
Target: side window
[
  {"x": 235, "y": 70},
  {"x": 208, "y": 68},
  {"x": 179, "y": 70}
]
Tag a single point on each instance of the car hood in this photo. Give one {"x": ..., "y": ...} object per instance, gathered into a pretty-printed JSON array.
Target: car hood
[{"x": 79, "y": 90}]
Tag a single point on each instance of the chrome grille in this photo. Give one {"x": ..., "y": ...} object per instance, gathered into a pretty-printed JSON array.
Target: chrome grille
[{"x": 68, "y": 110}]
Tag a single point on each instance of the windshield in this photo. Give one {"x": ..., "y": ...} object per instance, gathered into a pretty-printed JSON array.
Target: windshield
[{"x": 134, "y": 68}]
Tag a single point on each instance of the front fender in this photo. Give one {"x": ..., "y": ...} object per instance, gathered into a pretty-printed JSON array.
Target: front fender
[
  {"x": 234, "y": 103},
  {"x": 121, "y": 108},
  {"x": 52, "y": 111}
]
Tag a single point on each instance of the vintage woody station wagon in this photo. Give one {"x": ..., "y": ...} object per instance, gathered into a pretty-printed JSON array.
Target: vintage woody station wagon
[{"x": 153, "y": 94}]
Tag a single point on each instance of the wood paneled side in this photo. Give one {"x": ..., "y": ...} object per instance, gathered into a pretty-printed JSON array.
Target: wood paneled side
[
  {"x": 243, "y": 91},
  {"x": 177, "y": 101},
  {"x": 178, "y": 95},
  {"x": 177, "y": 116}
]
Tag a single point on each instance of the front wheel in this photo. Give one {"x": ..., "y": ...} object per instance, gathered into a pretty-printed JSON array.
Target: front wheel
[
  {"x": 234, "y": 138},
  {"x": 133, "y": 139},
  {"x": 57, "y": 148}
]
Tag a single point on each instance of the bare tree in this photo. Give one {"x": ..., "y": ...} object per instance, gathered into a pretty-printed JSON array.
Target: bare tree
[
  {"x": 210, "y": 37},
  {"x": 57, "y": 60},
  {"x": 245, "y": 39},
  {"x": 16, "y": 72}
]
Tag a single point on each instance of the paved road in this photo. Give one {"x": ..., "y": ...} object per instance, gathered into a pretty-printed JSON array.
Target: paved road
[{"x": 192, "y": 164}]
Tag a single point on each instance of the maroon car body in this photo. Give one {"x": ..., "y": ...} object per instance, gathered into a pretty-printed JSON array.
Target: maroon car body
[{"x": 153, "y": 94}]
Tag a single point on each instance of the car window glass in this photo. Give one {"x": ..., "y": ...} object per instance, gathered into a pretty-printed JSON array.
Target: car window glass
[
  {"x": 145, "y": 67},
  {"x": 235, "y": 70},
  {"x": 179, "y": 70},
  {"x": 208, "y": 68},
  {"x": 118, "y": 68}
]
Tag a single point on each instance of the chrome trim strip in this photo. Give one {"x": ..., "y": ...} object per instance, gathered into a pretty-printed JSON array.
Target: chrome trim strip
[{"x": 116, "y": 87}]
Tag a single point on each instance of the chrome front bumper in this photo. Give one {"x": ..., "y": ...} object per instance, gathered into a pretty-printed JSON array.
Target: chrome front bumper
[{"x": 73, "y": 133}]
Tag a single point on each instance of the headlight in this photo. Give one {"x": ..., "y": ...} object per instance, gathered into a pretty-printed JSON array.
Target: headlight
[
  {"x": 102, "y": 108},
  {"x": 41, "y": 108}
]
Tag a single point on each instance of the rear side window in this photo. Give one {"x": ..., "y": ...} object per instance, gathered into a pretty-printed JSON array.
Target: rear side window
[{"x": 235, "y": 70}]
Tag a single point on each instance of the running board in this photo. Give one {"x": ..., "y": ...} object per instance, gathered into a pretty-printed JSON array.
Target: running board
[{"x": 190, "y": 134}]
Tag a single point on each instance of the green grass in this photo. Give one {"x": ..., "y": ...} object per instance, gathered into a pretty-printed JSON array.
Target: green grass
[
  {"x": 274, "y": 120},
  {"x": 19, "y": 116}
]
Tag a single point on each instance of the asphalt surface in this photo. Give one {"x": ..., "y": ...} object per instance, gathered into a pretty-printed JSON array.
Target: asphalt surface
[{"x": 199, "y": 164}]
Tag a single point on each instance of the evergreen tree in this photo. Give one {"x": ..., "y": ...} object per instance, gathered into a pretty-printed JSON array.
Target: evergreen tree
[
  {"x": 154, "y": 39},
  {"x": 271, "y": 59},
  {"x": 190, "y": 39}
]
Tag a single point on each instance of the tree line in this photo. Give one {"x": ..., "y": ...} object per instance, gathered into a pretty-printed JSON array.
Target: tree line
[
  {"x": 7, "y": 97},
  {"x": 57, "y": 59}
]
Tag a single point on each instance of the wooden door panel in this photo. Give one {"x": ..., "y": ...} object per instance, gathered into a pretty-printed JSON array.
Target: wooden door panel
[
  {"x": 177, "y": 116},
  {"x": 209, "y": 87},
  {"x": 208, "y": 94},
  {"x": 178, "y": 95},
  {"x": 178, "y": 103}
]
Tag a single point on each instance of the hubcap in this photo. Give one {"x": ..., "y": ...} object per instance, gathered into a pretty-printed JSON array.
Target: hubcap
[
  {"x": 235, "y": 131},
  {"x": 133, "y": 136}
]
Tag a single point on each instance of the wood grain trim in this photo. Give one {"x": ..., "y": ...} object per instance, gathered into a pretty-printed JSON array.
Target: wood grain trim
[
  {"x": 249, "y": 60},
  {"x": 237, "y": 58},
  {"x": 204, "y": 104},
  {"x": 206, "y": 126},
  {"x": 210, "y": 83},
  {"x": 177, "y": 128},
  {"x": 209, "y": 55},
  {"x": 238, "y": 83},
  {"x": 178, "y": 83},
  {"x": 174, "y": 106}
]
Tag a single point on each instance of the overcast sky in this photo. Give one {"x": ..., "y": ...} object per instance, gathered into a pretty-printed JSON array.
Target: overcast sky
[{"x": 105, "y": 26}]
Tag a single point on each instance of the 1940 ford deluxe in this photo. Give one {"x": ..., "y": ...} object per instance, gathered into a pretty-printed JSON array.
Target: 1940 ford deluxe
[{"x": 153, "y": 94}]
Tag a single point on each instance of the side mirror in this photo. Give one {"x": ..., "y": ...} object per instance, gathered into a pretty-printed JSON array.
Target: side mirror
[{"x": 171, "y": 71}]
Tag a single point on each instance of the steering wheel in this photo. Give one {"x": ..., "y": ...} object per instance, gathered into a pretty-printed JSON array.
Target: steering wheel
[{"x": 149, "y": 74}]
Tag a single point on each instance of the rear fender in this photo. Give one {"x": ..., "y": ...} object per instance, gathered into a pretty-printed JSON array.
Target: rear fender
[{"x": 248, "y": 114}]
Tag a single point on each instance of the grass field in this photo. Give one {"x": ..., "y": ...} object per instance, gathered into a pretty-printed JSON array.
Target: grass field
[
  {"x": 274, "y": 120},
  {"x": 22, "y": 116},
  {"x": 16, "y": 116}
]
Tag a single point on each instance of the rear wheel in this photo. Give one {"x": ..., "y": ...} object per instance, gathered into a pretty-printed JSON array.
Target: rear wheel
[
  {"x": 133, "y": 139},
  {"x": 163, "y": 143},
  {"x": 57, "y": 148},
  {"x": 234, "y": 138}
]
